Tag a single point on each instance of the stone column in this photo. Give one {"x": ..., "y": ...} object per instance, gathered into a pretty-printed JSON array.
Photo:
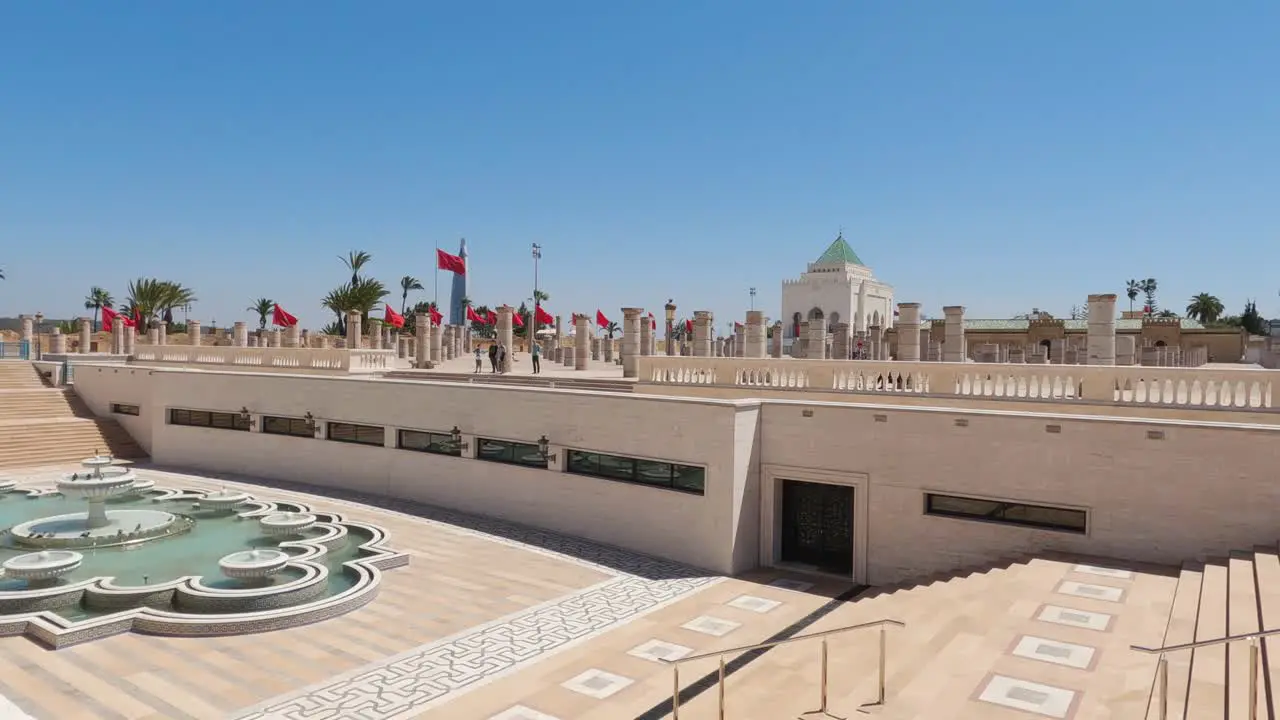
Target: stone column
[
  {"x": 375, "y": 334},
  {"x": 775, "y": 342},
  {"x": 240, "y": 334},
  {"x": 753, "y": 342},
  {"x": 293, "y": 337},
  {"x": 86, "y": 334},
  {"x": 800, "y": 344},
  {"x": 909, "y": 332},
  {"x": 193, "y": 332},
  {"x": 118, "y": 331},
  {"x": 57, "y": 342},
  {"x": 840, "y": 349},
  {"x": 646, "y": 336},
  {"x": 570, "y": 353},
  {"x": 28, "y": 328},
  {"x": 581, "y": 342},
  {"x": 130, "y": 339},
  {"x": 717, "y": 347},
  {"x": 353, "y": 330},
  {"x": 739, "y": 340},
  {"x": 702, "y": 333},
  {"x": 504, "y": 334},
  {"x": 450, "y": 342},
  {"x": 595, "y": 348},
  {"x": 435, "y": 334},
  {"x": 953, "y": 346},
  {"x": 276, "y": 338},
  {"x": 459, "y": 333},
  {"x": 817, "y": 339},
  {"x": 422, "y": 340},
  {"x": 163, "y": 335},
  {"x": 608, "y": 349},
  {"x": 860, "y": 319},
  {"x": 632, "y": 319},
  {"x": 1102, "y": 330},
  {"x": 1125, "y": 350},
  {"x": 669, "y": 311}
]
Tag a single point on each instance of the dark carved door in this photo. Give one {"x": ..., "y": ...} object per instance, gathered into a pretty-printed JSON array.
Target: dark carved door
[{"x": 817, "y": 525}]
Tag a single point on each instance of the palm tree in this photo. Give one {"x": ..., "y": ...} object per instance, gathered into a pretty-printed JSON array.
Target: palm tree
[
  {"x": 1148, "y": 288},
  {"x": 540, "y": 296},
  {"x": 96, "y": 300},
  {"x": 263, "y": 307},
  {"x": 407, "y": 283},
  {"x": 1205, "y": 307},
  {"x": 362, "y": 296},
  {"x": 612, "y": 328},
  {"x": 355, "y": 261},
  {"x": 1, "y": 273},
  {"x": 152, "y": 298},
  {"x": 1132, "y": 289}
]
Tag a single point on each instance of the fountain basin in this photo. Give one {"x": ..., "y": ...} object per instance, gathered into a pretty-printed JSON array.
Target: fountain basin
[
  {"x": 253, "y": 564},
  {"x": 43, "y": 565},
  {"x": 7, "y": 485},
  {"x": 286, "y": 523},
  {"x": 104, "y": 483},
  {"x": 74, "y": 530},
  {"x": 224, "y": 500},
  {"x": 97, "y": 461}
]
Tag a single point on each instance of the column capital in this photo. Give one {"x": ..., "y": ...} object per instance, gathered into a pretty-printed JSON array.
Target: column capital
[
  {"x": 1107, "y": 297},
  {"x": 953, "y": 310},
  {"x": 702, "y": 314},
  {"x": 632, "y": 311},
  {"x": 913, "y": 306}
]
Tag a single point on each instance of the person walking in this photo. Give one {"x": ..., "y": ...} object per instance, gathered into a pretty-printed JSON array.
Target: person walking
[
  {"x": 502, "y": 358},
  {"x": 536, "y": 352},
  {"x": 479, "y": 358},
  {"x": 493, "y": 358}
]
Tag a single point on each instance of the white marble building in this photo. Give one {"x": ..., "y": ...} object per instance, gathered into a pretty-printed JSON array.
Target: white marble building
[{"x": 838, "y": 287}]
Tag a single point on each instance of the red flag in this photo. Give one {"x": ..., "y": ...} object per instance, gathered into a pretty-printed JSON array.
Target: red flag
[
  {"x": 282, "y": 318},
  {"x": 473, "y": 316},
  {"x": 688, "y": 326},
  {"x": 436, "y": 317},
  {"x": 516, "y": 320},
  {"x": 137, "y": 318},
  {"x": 1146, "y": 309},
  {"x": 544, "y": 317},
  {"x": 653, "y": 322},
  {"x": 108, "y": 317},
  {"x": 601, "y": 320},
  {"x": 491, "y": 318},
  {"x": 736, "y": 326},
  {"x": 452, "y": 263},
  {"x": 393, "y": 318}
]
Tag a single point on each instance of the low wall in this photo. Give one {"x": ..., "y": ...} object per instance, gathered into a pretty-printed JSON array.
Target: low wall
[{"x": 289, "y": 359}]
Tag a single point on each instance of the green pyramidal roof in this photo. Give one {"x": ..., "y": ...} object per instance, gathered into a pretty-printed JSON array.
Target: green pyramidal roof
[{"x": 839, "y": 253}]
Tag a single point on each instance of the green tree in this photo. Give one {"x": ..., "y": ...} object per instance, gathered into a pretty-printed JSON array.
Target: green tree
[
  {"x": 361, "y": 296},
  {"x": 1251, "y": 321},
  {"x": 612, "y": 328},
  {"x": 152, "y": 298},
  {"x": 1133, "y": 288},
  {"x": 355, "y": 262},
  {"x": 1205, "y": 307},
  {"x": 95, "y": 301},
  {"x": 483, "y": 329},
  {"x": 262, "y": 307},
  {"x": 408, "y": 283},
  {"x": 1149, "y": 287}
]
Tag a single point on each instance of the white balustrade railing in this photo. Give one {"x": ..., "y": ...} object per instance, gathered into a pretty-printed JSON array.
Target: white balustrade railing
[
  {"x": 1189, "y": 387},
  {"x": 335, "y": 359}
]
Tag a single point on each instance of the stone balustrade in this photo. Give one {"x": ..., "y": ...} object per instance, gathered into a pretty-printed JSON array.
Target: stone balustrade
[
  {"x": 330, "y": 359},
  {"x": 1188, "y": 387}
]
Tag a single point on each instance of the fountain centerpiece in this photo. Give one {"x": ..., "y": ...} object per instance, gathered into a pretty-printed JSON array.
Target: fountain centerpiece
[
  {"x": 224, "y": 500},
  {"x": 97, "y": 526},
  {"x": 39, "y": 568},
  {"x": 286, "y": 523},
  {"x": 258, "y": 564}
]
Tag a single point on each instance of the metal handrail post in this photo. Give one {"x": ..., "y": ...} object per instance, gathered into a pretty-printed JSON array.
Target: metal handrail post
[
  {"x": 823, "y": 680},
  {"x": 1253, "y": 679},
  {"x": 1162, "y": 676},
  {"x": 883, "y": 648},
  {"x": 721, "y": 687},
  {"x": 675, "y": 691}
]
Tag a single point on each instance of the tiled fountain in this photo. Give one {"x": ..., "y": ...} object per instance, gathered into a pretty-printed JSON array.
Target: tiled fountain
[{"x": 175, "y": 562}]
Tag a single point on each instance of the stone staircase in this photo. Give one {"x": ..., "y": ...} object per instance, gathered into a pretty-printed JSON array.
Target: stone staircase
[
  {"x": 1223, "y": 596},
  {"x": 43, "y": 425}
]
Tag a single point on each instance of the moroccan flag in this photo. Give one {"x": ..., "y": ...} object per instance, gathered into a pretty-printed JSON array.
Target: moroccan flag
[
  {"x": 108, "y": 317},
  {"x": 1146, "y": 309},
  {"x": 491, "y": 318},
  {"x": 393, "y": 318},
  {"x": 544, "y": 317},
  {"x": 736, "y": 326},
  {"x": 516, "y": 320},
  {"x": 688, "y": 326},
  {"x": 601, "y": 320},
  {"x": 452, "y": 263},
  {"x": 473, "y": 316},
  {"x": 282, "y": 318},
  {"x": 436, "y": 317},
  {"x": 653, "y": 322}
]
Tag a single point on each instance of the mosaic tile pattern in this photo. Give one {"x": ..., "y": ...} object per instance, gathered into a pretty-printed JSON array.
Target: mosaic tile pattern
[
  {"x": 1091, "y": 591},
  {"x": 753, "y": 604},
  {"x": 713, "y": 626},
  {"x": 660, "y": 651},
  {"x": 1075, "y": 618},
  {"x": 520, "y": 712},
  {"x": 1027, "y": 696},
  {"x": 597, "y": 683},
  {"x": 1055, "y": 652}
]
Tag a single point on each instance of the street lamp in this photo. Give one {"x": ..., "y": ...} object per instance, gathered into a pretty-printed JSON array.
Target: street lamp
[
  {"x": 752, "y": 293},
  {"x": 39, "y": 336},
  {"x": 671, "y": 324}
]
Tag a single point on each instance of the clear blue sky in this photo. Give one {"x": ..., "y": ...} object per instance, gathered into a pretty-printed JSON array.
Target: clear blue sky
[{"x": 999, "y": 155}]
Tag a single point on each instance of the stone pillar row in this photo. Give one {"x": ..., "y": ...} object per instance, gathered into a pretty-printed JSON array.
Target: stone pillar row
[
  {"x": 86, "y": 333},
  {"x": 631, "y": 318},
  {"x": 702, "y": 333},
  {"x": 505, "y": 334},
  {"x": 581, "y": 342}
]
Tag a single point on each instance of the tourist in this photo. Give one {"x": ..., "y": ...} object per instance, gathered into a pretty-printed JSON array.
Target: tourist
[
  {"x": 502, "y": 358},
  {"x": 479, "y": 358},
  {"x": 493, "y": 357},
  {"x": 535, "y": 350}
]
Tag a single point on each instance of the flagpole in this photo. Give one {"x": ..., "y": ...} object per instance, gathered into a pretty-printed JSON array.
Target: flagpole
[{"x": 437, "y": 300}]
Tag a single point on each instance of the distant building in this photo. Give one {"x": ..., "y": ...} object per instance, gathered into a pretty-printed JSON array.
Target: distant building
[
  {"x": 839, "y": 288},
  {"x": 459, "y": 292}
]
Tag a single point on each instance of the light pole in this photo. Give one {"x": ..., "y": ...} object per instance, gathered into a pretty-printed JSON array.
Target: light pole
[
  {"x": 752, "y": 293},
  {"x": 39, "y": 336},
  {"x": 537, "y": 255}
]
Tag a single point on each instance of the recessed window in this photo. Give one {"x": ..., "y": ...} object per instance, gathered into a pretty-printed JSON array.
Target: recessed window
[
  {"x": 287, "y": 426},
  {"x": 512, "y": 453},
  {"x": 1009, "y": 513},
  {"x": 359, "y": 434},
  {"x": 428, "y": 442},
  {"x": 208, "y": 419},
  {"x": 122, "y": 409},
  {"x": 673, "y": 476}
]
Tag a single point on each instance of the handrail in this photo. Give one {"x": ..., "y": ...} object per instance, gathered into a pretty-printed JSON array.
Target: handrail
[
  {"x": 823, "y": 635},
  {"x": 1206, "y": 643},
  {"x": 1162, "y": 665}
]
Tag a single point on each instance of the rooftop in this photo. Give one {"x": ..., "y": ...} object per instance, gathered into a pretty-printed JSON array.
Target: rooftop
[
  {"x": 1080, "y": 325},
  {"x": 839, "y": 253}
]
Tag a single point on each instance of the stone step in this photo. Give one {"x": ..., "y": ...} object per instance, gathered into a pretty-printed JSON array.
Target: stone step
[
  {"x": 1242, "y": 617},
  {"x": 1266, "y": 570},
  {"x": 1207, "y": 696}
]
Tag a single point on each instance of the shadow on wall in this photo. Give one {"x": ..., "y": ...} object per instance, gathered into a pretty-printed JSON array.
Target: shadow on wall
[{"x": 616, "y": 559}]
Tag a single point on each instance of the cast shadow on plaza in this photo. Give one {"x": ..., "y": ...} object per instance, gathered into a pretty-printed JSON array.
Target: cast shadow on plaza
[{"x": 611, "y": 557}]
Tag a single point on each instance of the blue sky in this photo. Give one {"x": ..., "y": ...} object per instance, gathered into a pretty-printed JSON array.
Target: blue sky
[{"x": 999, "y": 155}]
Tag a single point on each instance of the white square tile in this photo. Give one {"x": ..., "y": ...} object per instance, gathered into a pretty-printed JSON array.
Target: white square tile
[
  {"x": 789, "y": 584},
  {"x": 1091, "y": 591},
  {"x": 1054, "y": 651},
  {"x": 597, "y": 683},
  {"x": 714, "y": 626},
  {"x": 1075, "y": 618},
  {"x": 659, "y": 650},
  {"x": 753, "y": 603},
  {"x": 520, "y": 712},
  {"x": 1044, "y": 700},
  {"x": 1103, "y": 572}
]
